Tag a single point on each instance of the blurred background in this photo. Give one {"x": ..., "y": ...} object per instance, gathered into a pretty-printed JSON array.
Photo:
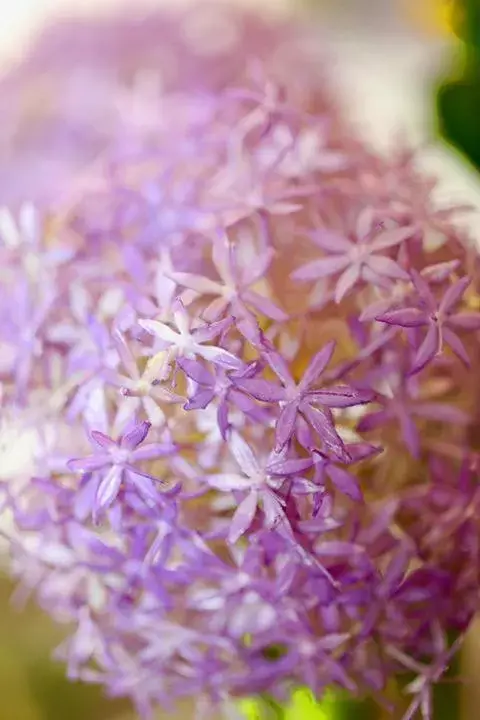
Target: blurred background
[{"x": 404, "y": 67}]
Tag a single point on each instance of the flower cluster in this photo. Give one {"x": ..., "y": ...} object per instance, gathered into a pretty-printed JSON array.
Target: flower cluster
[
  {"x": 246, "y": 350},
  {"x": 85, "y": 80}
]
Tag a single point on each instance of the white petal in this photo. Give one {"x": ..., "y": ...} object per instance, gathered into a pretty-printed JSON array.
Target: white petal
[
  {"x": 160, "y": 330},
  {"x": 8, "y": 229},
  {"x": 29, "y": 225},
  {"x": 244, "y": 456},
  {"x": 227, "y": 481}
]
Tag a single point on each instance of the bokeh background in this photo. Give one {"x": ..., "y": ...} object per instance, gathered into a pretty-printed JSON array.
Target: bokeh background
[{"x": 393, "y": 60}]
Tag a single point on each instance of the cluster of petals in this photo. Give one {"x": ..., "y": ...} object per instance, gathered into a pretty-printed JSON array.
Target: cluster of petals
[{"x": 247, "y": 372}]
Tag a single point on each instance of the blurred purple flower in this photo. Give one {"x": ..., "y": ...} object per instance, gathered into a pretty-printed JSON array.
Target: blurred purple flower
[
  {"x": 360, "y": 259},
  {"x": 116, "y": 463},
  {"x": 233, "y": 290},
  {"x": 439, "y": 318}
]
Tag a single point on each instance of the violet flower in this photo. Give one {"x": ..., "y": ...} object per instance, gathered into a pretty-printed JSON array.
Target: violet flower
[
  {"x": 439, "y": 318},
  {"x": 141, "y": 389},
  {"x": 189, "y": 342},
  {"x": 303, "y": 399},
  {"x": 116, "y": 463},
  {"x": 234, "y": 290},
  {"x": 262, "y": 481},
  {"x": 221, "y": 386},
  {"x": 360, "y": 259},
  {"x": 290, "y": 520}
]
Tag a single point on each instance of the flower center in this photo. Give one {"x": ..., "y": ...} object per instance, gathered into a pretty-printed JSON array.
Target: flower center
[{"x": 120, "y": 455}]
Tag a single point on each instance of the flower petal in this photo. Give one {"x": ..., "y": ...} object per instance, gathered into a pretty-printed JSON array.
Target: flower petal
[
  {"x": 256, "y": 271},
  {"x": 207, "y": 333},
  {"x": 126, "y": 355},
  {"x": 243, "y": 517},
  {"x": 285, "y": 468},
  {"x": 196, "y": 371},
  {"x": 261, "y": 389},
  {"x": 134, "y": 437},
  {"x": 84, "y": 502},
  {"x": 321, "y": 421},
  {"x": 442, "y": 412},
  {"x": 385, "y": 266},
  {"x": 244, "y": 455},
  {"x": 264, "y": 305},
  {"x": 219, "y": 356},
  {"x": 153, "y": 451},
  {"x": 153, "y": 411},
  {"x": 345, "y": 482},
  {"x": 88, "y": 464},
  {"x": 143, "y": 484},
  {"x": 346, "y": 282},
  {"x": 215, "y": 309},
  {"x": 465, "y": 320},
  {"x": 423, "y": 289},
  {"x": 200, "y": 284},
  {"x": 317, "y": 365},
  {"x": 108, "y": 488},
  {"x": 405, "y": 317},
  {"x": 336, "y": 548},
  {"x": 286, "y": 425},
  {"x": 341, "y": 397},
  {"x": 373, "y": 420},
  {"x": 160, "y": 330},
  {"x": 330, "y": 241},
  {"x": 390, "y": 238},
  {"x": 279, "y": 367},
  {"x": 427, "y": 350},
  {"x": 102, "y": 440},
  {"x": 451, "y": 339},
  {"x": 272, "y": 508},
  {"x": 229, "y": 481},
  {"x": 324, "y": 267},
  {"x": 410, "y": 433},
  {"x": 453, "y": 295},
  {"x": 200, "y": 400}
]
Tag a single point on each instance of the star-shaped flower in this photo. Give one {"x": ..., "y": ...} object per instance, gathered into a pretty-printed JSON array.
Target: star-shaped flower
[
  {"x": 188, "y": 342},
  {"x": 233, "y": 290},
  {"x": 439, "y": 318},
  {"x": 352, "y": 259},
  {"x": 261, "y": 480},
  {"x": 301, "y": 398},
  {"x": 140, "y": 390},
  {"x": 404, "y": 401},
  {"x": 115, "y": 463}
]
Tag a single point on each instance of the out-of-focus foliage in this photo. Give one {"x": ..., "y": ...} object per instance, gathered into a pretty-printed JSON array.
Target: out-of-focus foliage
[{"x": 458, "y": 99}]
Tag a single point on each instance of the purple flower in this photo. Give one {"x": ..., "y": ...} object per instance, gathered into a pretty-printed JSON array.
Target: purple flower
[
  {"x": 401, "y": 403},
  {"x": 188, "y": 342},
  {"x": 358, "y": 259},
  {"x": 439, "y": 318},
  {"x": 303, "y": 399},
  {"x": 258, "y": 541},
  {"x": 116, "y": 463},
  {"x": 343, "y": 480},
  {"x": 23, "y": 332},
  {"x": 220, "y": 386},
  {"x": 234, "y": 288},
  {"x": 427, "y": 675},
  {"x": 141, "y": 390},
  {"x": 261, "y": 480},
  {"x": 24, "y": 239}
]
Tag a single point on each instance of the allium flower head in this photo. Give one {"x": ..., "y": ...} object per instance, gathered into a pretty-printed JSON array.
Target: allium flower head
[{"x": 255, "y": 382}]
